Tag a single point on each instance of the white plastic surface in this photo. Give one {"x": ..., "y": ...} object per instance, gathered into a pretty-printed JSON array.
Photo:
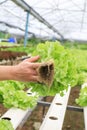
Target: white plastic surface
[
  {"x": 85, "y": 110},
  {"x": 55, "y": 115},
  {"x": 17, "y": 116}
]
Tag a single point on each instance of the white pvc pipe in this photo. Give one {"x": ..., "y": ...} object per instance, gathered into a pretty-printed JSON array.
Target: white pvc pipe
[
  {"x": 85, "y": 110},
  {"x": 55, "y": 115},
  {"x": 18, "y": 116}
]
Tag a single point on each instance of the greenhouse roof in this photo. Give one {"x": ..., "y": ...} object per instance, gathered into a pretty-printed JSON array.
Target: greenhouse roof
[{"x": 62, "y": 19}]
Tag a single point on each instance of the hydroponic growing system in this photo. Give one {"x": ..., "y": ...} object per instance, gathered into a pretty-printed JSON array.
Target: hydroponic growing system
[{"x": 18, "y": 18}]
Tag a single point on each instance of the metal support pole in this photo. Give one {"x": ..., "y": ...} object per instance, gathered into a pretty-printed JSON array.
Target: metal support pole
[
  {"x": 72, "y": 108},
  {"x": 75, "y": 108},
  {"x": 26, "y": 30}
]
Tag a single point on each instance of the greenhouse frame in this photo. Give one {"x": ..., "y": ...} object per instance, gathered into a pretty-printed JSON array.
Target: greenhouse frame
[{"x": 57, "y": 31}]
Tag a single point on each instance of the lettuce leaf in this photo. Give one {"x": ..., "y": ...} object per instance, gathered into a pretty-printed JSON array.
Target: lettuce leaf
[
  {"x": 65, "y": 68},
  {"x": 5, "y": 125}
]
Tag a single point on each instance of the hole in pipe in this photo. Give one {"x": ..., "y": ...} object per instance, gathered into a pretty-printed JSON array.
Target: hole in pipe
[
  {"x": 6, "y": 118},
  {"x": 29, "y": 93},
  {"x": 58, "y": 103},
  {"x": 53, "y": 118}
]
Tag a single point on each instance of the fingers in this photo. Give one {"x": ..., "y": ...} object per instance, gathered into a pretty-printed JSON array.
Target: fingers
[
  {"x": 28, "y": 70},
  {"x": 34, "y": 78},
  {"x": 32, "y": 62},
  {"x": 33, "y": 59},
  {"x": 34, "y": 65}
]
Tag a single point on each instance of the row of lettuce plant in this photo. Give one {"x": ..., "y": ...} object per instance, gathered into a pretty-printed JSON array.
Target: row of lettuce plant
[{"x": 70, "y": 68}]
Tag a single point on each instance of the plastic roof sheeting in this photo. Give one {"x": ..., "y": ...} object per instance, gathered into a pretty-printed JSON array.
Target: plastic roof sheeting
[{"x": 69, "y": 17}]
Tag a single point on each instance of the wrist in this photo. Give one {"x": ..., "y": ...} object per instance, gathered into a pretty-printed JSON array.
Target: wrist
[
  {"x": 13, "y": 73},
  {"x": 7, "y": 72}
]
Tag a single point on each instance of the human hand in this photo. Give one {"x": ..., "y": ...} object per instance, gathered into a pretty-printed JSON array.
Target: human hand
[{"x": 26, "y": 70}]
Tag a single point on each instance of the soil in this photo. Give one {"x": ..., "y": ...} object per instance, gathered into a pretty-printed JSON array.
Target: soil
[{"x": 8, "y": 55}]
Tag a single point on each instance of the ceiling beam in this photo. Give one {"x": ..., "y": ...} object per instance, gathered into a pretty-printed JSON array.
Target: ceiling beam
[
  {"x": 15, "y": 27},
  {"x": 28, "y": 8}
]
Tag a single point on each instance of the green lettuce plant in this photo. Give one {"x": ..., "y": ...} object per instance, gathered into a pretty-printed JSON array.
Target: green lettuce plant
[
  {"x": 65, "y": 68},
  {"x": 5, "y": 125}
]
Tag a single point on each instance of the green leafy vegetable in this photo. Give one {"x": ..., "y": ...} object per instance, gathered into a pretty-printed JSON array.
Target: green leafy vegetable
[
  {"x": 82, "y": 100},
  {"x": 19, "y": 99},
  {"x": 65, "y": 68},
  {"x": 5, "y": 125},
  {"x": 13, "y": 95}
]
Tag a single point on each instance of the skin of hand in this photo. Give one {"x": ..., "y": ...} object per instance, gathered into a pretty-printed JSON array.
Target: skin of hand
[{"x": 24, "y": 71}]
